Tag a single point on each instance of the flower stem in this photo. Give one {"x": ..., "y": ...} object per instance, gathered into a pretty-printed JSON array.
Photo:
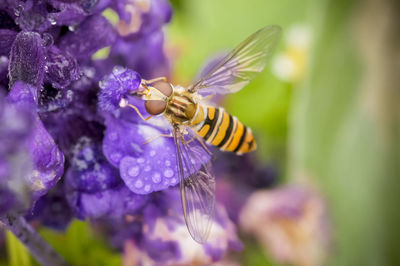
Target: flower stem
[{"x": 39, "y": 248}]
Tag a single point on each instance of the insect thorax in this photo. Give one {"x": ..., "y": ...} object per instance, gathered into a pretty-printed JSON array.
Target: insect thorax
[{"x": 181, "y": 107}]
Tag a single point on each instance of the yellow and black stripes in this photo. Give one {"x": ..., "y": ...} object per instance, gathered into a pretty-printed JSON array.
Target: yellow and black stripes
[{"x": 222, "y": 130}]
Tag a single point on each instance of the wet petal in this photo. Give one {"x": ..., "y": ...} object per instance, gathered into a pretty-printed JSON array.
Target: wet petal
[
  {"x": 47, "y": 159},
  {"x": 143, "y": 167},
  {"x": 27, "y": 59},
  {"x": 135, "y": 55},
  {"x": 69, "y": 14},
  {"x": 92, "y": 34},
  {"x": 117, "y": 86},
  {"x": 90, "y": 171},
  {"x": 62, "y": 68},
  {"x": 31, "y": 16},
  {"x": 109, "y": 203}
]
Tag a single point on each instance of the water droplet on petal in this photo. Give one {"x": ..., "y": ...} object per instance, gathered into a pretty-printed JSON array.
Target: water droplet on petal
[
  {"x": 113, "y": 136},
  {"x": 72, "y": 27},
  {"x": 147, "y": 168},
  {"x": 140, "y": 160},
  {"x": 156, "y": 177},
  {"x": 168, "y": 173},
  {"x": 52, "y": 20},
  {"x": 167, "y": 163},
  {"x": 152, "y": 153},
  {"x": 118, "y": 70},
  {"x": 133, "y": 171},
  {"x": 115, "y": 157},
  {"x": 147, "y": 188},
  {"x": 18, "y": 10},
  {"x": 47, "y": 39},
  {"x": 173, "y": 180},
  {"x": 138, "y": 183}
]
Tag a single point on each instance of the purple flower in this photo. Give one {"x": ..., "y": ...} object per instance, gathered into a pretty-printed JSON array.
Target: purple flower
[
  {"x": 160, "y": 227},
  {"x": 117, "y": 86},
  {"x": 94, "y": 33},
  {"x": 290, "y": 222},
  {"x": 61, "y": 68},
  {"x": 135, "y": 54},
  {"x": 16, "y": 123},
  {"x": 95, "y": 189},
  {"x": 142, "y": 18},
  {"x": 52, "y": 210},
  {"x": 47, "y": 159},
  {"x": 27, "y": 59}
]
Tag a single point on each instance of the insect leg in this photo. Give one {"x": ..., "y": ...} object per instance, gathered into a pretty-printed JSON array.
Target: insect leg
[
  {"x": 156, "y": 137},
  {"x": 124, "y": 103},
  {"x": 154, "y": 80}
]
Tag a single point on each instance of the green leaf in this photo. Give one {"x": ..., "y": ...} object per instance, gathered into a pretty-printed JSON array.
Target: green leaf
[{"x": 17, "y": 253}]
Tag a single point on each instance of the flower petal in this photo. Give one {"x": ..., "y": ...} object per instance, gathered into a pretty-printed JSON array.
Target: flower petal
[
  {"x": 27, "y": 59},
  {"x": 62, "y": 68},
  {"x": 117, "y": 86},
  {"x": 110, "y": 203},
  {"x": 92, "y": 34},
  {"x": 143, "y": 167},
  {"x": 48, "y": 161}
]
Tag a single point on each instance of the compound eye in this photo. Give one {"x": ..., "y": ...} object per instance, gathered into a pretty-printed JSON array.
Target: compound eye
[
  {"x": 164, "y": 87},
  {"x": 155, "y": 107}
]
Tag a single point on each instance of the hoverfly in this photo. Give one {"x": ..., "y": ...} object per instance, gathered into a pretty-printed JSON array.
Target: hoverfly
[{"x": 190, "y": 117}]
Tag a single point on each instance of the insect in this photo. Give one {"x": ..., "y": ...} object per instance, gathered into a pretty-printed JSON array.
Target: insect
[{"x": 194, "y": 122}]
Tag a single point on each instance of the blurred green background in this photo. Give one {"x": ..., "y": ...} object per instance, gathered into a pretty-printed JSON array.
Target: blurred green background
[{"x": 337, "y": 123}]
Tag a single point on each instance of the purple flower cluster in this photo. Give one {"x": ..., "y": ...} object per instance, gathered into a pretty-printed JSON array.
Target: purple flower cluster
[{"x": 67, "y": 147}]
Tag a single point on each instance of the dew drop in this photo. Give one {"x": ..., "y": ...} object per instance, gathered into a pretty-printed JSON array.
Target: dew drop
[
  {"x": 116, "y": 156},
  {"x": 72, "y": 27},
  {"x": 173, "y": 180},
  {"x": 47, "y": 39},
  {"x": 152, "y": 153},
  {"x": 156, "y": 177},
  {"x": 52, "y": 21},
  {"x": 113, "y": 136},
  {"x": 133, "y": 171},
  {"x": 147, "y": 188},
  {"x": 140, "y": 160},
  {"x": 118, "y": 70},
  {"x": 147, "y": 168},
  {"x": 18, "y": 10},
  {"x": 138, "y": 183},
  {"x": 168, "y": 172},
  {"x": 167, "y": 163}
]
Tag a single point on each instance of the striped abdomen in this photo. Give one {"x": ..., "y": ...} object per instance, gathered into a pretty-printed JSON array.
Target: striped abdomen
[{"x": 222, "y": 130}]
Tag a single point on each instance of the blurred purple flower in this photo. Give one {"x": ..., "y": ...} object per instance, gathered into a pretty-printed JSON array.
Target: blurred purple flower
[
  {"x": 158, "y": 235},
  {"x": 290, "y": 222},
  {"x": 47, "y": 159},
  {"x": 142, "y": 18},
  {"x": 238, "y": 177},
  {"x": 16, "y": 123},
  {"x": 52, "y": 210}
]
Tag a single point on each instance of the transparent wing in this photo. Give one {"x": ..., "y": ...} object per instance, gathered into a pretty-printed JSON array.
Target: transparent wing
[
  {"x": 241, "y": 65},
  {"x": 197, "y": 184}
]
